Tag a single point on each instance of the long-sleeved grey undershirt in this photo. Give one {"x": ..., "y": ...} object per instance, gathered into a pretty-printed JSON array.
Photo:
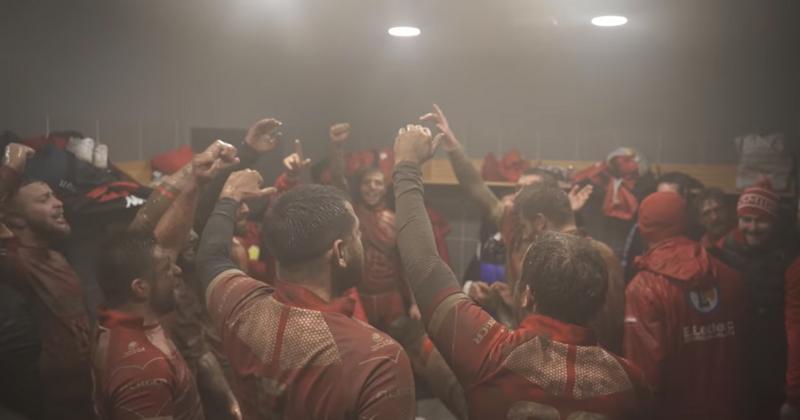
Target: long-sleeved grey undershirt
[
  {"x": 214, "y": 253},
  {"x": 472, "y": 183},
  {"x": 427, "y": 274}
]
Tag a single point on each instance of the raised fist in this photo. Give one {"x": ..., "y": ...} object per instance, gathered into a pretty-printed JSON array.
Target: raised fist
[
  {"x": 17, "y": 155},
  {"x": 208, "y": 163},
  {"x": 339, "y": 133},
  {"x": 414, "y": 143},
  {"x": 263, "y": 136}
]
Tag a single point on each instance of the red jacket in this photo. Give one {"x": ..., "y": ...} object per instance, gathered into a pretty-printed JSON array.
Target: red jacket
[
  {"x": 793, "y": 333},
  {"x": 683, "y": 328}
]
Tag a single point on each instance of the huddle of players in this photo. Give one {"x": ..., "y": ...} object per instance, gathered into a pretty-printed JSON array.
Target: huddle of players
[{"x": 294, "y": 348}]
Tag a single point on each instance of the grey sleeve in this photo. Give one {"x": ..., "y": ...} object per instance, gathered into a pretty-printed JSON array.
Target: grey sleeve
[
  {"x": 427, "y": 274},
  {"x": 214, "y": 253}
]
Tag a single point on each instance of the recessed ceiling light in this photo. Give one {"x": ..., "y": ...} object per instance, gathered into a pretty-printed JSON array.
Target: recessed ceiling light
[
  {"x": 404, "y": 31},
  {"x": 609, "y": 21}
]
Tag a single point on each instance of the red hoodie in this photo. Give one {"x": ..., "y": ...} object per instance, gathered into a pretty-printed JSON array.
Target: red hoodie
[{"x": 683, "y": 328}]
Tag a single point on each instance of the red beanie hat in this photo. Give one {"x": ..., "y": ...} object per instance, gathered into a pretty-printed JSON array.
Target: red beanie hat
[
  {"x": 662, "y": 215},
  {"x": 760, "y": 200}
]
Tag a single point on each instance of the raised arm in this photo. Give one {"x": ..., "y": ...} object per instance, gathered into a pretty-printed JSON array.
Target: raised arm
[
  {"x": 174, "y": 226},
  {"x": 465, "y": 334},
  {"x": 427, "y": 274},
  {"x": 214, "y": 254},
  {"x": 468, "y": 177},
  {"x": 15, "y": 157},
  {"x": 338, "y": 133},
  {"x": 174, "y": 185},
  {"x": 261, "y": 138}
]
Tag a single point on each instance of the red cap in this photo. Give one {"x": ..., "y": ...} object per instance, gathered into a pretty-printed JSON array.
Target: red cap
[
  {"x": 662, "y": 215},
  {"x": 760, "y": 200}
]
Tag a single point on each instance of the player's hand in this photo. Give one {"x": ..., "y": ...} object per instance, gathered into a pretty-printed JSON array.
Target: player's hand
[
  {"x": 245, "y": 184},
  {"x": 17, "y": 155},
  {"x": 217, "y": 157},
  {"x": 449, "y": 141},
  {"x": 502, "y": 292},
  {"x": 579, "y": 196},
  {"x": 414, "y": 143},
  {"x": 479, "y": 292},
  {"x": 296, "y": 163},
  {"x": 263, "y": 136},
  {"x": 339, "y": 133},
  {"x": 414, "y": 313}
]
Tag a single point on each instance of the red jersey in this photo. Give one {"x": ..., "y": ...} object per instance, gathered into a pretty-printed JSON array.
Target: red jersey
[
  {"x": 683, "y": 326},
  {"x": 297, "y": 356},
  {"x": 139, "y": 374},
  {"x": 382, "y": 268},
  {"x": 793, "y": 333},
  {"x": 545, "y": 369},
  {"x": 48, "y": 282},
  {"x": 384, "y": 292}
]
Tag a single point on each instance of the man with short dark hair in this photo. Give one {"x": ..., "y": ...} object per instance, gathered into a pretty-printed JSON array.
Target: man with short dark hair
[
  {"x": 715, "y": 214},
  {"x": 45, "y": 326},
  {"x": 538, "y": 206},
  {"x": 551, "y": 366},
  {"x": 683, "y": 310},
  {"x": 138, "y": 372},
  {"x": 294, "y": 349}
]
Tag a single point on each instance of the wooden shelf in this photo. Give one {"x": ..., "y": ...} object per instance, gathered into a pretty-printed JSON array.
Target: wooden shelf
[
  {"x": 139, "y": 170},
  {"x": 439, "y": 172}
]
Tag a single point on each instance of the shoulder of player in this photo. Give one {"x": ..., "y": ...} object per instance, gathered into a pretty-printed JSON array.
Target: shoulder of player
[
  {"x": 650, "y": 284},
  {"x": 359, "y": 339},
  {"x": 233, "y": 284},
  {"x": 129, "y": 348},
  {"x": 605, "y": 251}
]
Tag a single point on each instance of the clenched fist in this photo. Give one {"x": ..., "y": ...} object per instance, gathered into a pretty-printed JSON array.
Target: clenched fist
[
  {"x": 414, "y": 143},
  {"x": 339, "y": 133},
  {"x": 263, "y": 136},
  {"x": 17, "y": 155}
]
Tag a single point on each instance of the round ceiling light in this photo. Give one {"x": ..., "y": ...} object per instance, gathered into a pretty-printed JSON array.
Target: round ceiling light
[
  {"x": 404, "y": 31},
  {"x": 609, "y": 21}
]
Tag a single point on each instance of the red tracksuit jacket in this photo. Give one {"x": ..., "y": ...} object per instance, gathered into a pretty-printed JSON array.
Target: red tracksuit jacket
[{"x": 683, "y": 328}]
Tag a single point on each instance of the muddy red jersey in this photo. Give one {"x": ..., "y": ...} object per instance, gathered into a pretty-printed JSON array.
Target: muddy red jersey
[
  {"x": 545, "y": 369},
  {"x": 684, "y": 329},
  {"x": 296, "y": 356},
  {"x": 139, "y": 374}
]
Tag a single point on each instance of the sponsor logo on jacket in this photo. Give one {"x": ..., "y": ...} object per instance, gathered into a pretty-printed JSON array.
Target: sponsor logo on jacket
[{"x": 711, "y": 331}]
